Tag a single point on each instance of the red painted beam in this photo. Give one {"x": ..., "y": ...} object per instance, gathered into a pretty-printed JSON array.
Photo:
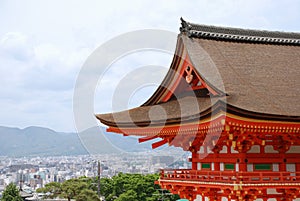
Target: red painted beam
[
  {"x": 145, "y": 139},
  {"x": 159, "y": 143}
]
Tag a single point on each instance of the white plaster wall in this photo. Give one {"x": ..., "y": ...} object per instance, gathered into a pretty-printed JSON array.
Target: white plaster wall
[
  {"x": 201, "y": 150},
  {"x": 224, "y": 150},
  {"x": 198, "y": 166},
  {"x": 233, "y": 151},
  {"x": 250, "y": 167},
  {"x": 294, "y": 150},
  {"x": 270, "y": 149},
  {"x": 254, "y": 149},
  {"x": 221, "y": 166},
  {"x": 275, "y": 167}
]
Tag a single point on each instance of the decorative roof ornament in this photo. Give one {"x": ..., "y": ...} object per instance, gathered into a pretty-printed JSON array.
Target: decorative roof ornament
[
  {"x": 185, "y": 26},
  {"x": 189, "y": 77}
]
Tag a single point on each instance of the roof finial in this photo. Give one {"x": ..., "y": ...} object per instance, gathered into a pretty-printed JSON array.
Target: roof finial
[{"x": 185, "y": 27}]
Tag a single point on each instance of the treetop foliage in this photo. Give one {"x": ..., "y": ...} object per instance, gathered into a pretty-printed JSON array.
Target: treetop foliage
[
  {"x": 11, "y": 193},
  {"x": 122, "y": 187}
]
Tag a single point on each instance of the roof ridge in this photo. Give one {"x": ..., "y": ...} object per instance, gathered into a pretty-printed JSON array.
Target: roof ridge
[{"x": 238, "y": 34}]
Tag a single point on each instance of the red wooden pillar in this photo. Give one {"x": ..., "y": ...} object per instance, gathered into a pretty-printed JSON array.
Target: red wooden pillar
[
  {"x": 298, "y": 169},
  {"x": 242, "y": 167},
  {"x": 282, "y": 165},
  {"x": 217, "y": 166},
  {"x": 243, "y": 162},
  {"x": 194, "y": 164}
]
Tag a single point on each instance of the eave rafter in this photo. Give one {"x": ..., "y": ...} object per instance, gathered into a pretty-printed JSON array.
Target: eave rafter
[{"x": 215, "y": 132}]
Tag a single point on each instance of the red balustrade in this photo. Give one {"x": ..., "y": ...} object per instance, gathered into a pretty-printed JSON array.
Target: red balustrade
[{"x": 230, "y": 176}]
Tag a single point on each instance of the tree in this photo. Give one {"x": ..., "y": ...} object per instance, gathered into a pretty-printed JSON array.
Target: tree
[
  {"x": 87, "y": 195},
  {"x": 81, "y": 189},
  {"x": 52, "y": 189},
  {"x": 133, "y": 187},
  {"x": 129, "y": 195},
  {"x": 11, "y": 193},
  {"x": 122, "y": 187},
  {"x": 71, "y": 188}
]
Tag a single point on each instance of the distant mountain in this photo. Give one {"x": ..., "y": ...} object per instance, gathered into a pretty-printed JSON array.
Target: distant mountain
[
  {"x": 39, "y": 141},
  {"x": 97, "y": 140}
]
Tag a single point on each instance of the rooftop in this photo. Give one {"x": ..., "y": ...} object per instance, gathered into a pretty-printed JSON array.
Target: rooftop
[
  {"x": 237, "y": 34},
  {"x": 257, "y": 73}
]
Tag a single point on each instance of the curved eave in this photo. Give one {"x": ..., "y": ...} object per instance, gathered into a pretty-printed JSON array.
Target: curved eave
[
  {"x": 219, "y": 107},
  {"x": 178, "y": 55},
  {"x": 155, "y": 123},
  {"x": 108, "y": 119},
  {"x": 261, "y": 116}
]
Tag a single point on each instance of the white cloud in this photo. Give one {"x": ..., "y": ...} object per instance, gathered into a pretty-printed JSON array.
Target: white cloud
[
  {"x": 38, "y": 81},
  {"x": 139, "y": 69},
  {"x": 43, "y": 44},
  {"x": 45, "y": 54},
  {"x": 15, "y": 45}
]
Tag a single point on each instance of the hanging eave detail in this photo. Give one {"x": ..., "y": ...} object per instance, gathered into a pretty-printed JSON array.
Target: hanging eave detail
[
  {"x": 215, "y": 122},
  {"x": 214, "y": 126}
]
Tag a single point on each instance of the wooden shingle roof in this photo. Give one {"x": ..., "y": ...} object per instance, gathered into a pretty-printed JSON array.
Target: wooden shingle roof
[{"x": 257, "y": 71}]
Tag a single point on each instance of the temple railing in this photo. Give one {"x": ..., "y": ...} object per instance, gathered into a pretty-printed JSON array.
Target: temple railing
[{"x": 230, "y": 176}]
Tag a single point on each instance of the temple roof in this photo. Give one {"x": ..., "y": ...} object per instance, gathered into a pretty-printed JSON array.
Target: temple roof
[
  {"x": 256, "y": 77},
  {"x": 255, "y": 73},
  {"x": 174, "y": 111},
  {"x": 236, "y": 34}
]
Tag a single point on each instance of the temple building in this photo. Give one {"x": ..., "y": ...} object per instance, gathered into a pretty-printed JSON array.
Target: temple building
[{"x": 232, "y": 98}]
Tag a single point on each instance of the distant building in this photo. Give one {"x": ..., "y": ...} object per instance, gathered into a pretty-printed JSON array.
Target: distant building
[
  {"x": 166, "y": 160},
  {"x": 36, "y": 182}
]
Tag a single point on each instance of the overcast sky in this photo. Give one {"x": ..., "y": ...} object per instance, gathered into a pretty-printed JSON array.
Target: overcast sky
[{"x": 43, "y": 45}]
